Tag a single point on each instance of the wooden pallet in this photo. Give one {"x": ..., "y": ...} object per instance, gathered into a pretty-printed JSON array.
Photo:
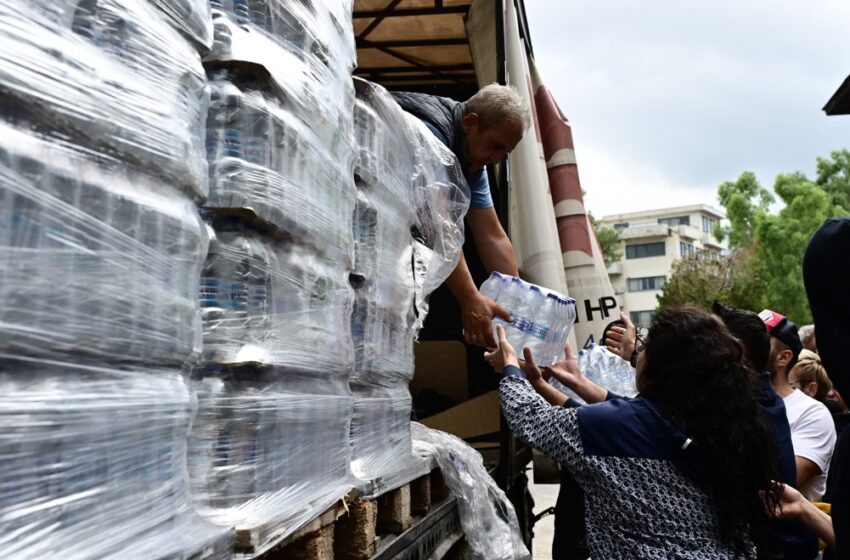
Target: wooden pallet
[{"x": 355, "y": 529}]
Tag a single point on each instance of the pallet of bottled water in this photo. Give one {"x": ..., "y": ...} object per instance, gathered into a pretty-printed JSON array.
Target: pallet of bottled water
[{"x": 542, "y": 318}]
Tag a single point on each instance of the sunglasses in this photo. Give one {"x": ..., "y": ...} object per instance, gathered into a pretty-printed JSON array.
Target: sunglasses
[{"x": 640, "y": 346}]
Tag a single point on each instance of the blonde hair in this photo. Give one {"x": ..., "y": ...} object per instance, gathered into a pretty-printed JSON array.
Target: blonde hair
[{"x": 808, "y": 369}]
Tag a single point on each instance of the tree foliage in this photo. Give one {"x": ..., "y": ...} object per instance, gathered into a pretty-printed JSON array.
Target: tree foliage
[
  {"x": 764, "y": 268},
  {"x": 609, "y": 241},
  {"x": 735, "y": 279}
]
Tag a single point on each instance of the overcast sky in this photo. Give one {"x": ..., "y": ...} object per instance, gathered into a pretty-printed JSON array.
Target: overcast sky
[{"x": 669, "y": 98}]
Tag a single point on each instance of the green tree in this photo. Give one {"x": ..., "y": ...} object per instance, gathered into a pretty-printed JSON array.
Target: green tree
[
  {"x": 735, "y": 279},
  {"x": 745, "y": 200},
  {"x": 776, "y": 242},
  {"x": 609, "y": 241},
  {"x": 781, "y": 241},
  {"x": 833, "y": 175}
]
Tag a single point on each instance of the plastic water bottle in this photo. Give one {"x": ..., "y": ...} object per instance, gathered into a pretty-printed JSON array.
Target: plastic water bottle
[
  {"x": 515, "y": 302},
  {"x": 535, "y": 322},
  {"x": 551, "y": 324},
  {"x": 542, "y": 319},
  {"x": 260, "y": 14},
  {"x": 494, "y": 285},
  {"x": 259, "y": 291},
  {"x": 230, "y": 113},
  {"x": 256, "y": 125},
  {"x": 241, "y": 10}
]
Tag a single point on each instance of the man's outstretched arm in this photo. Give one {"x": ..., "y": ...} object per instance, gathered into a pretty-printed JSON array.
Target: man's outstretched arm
[
  {"x": 477, "y": 310},
  {"x": 494, "y": 247}
]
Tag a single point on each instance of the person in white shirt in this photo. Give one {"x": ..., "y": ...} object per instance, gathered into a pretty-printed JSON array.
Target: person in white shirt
[{"x": 812, "y": 428}]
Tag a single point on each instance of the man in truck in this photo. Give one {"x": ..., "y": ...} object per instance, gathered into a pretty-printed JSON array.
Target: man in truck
[{"x": 480, "y": 132}]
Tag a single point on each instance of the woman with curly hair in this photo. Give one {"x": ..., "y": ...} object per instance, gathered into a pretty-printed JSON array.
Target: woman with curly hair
[{"x": 673, "y": 473}]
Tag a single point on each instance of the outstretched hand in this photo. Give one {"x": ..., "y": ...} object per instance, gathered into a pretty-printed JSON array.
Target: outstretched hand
[
  {"x": 622, "y": 340},
  {"x": 567, "y": 370},
  {"x": 504, "y": 355},
  {"x": 478, "y": 313},
  {"x": 529, "y": 368}
]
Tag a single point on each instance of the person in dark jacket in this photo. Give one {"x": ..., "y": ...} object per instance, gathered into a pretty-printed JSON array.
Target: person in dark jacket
[
  {"x": 669, "y": 474},
  {"x": 826, "y": 269},
  {"x": 795, "y": 541},
  {"x": 480, "y": 132}
]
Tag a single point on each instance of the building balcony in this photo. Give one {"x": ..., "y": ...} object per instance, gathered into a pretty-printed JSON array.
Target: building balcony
[
  {"x": 648, "y": 230},
  {"x": 615, "y": 269}
]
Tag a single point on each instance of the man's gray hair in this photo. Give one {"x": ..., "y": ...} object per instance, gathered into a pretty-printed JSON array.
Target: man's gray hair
[
  {"x": 496, "y": 104},
  {"x": 806, "y": 333}
]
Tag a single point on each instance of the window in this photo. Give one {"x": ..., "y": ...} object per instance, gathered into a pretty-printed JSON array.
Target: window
[
  {"x": 707, "y": 225},
  {"x": 675, "y": 221},
  {"x": 686, "y": 249},
  {"x": 642, "y": 318},
  {"x": 647, "y": 284},
  {"x": 621, "y": 226},
  {"x": 644, "y": 250}
]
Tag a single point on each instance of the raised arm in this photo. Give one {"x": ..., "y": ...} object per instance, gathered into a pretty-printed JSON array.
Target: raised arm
[
  {"x": 569, "y": 373},
  {"x": 551, "y": 429}
]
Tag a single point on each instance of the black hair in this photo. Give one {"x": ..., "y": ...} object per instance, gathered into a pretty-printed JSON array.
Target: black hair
[
  {"x": 750, "y": 330},
  {"x": 696, "y": 376}
]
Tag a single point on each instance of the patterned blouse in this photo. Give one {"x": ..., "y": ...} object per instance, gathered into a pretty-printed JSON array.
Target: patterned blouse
[{"x": 630, "y": 462}]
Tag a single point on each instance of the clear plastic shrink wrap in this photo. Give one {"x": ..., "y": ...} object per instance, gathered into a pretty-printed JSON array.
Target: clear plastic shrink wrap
[
  {"x": 604, "y": 368},
  {"x": 274, "y": 302},
  {"x": 404, "y": 189},
  {"x": 97, "y": 259},
  {"x": 190, "y": 17},
  {"x": 269, "y": 450},
  {"x": 306, "y": 48},
  {"x": 94, "y": 463},
  {"x": 265, "y": 158},
  {"x": 111, "y": 74},
  {"x": 441, "y": 201},
  {"x": 488, "y": 518}
]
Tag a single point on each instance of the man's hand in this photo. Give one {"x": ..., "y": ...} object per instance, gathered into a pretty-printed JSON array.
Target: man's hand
[
  {"x": 478, "y": 312},
  {"x": 566, "y": 371},
  {"x": 621, "y": 340},
  {"x": 504, "y": 355}
]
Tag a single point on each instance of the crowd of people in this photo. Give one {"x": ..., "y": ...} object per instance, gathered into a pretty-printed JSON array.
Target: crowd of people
[
  {"x": 731, "y": 448},
  {"x": 733, "y": 436}
]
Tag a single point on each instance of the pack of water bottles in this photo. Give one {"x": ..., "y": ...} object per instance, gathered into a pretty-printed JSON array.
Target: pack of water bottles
[
  {"x": 191, "y": 17},
  {"x": 542, "y": 319},
  {"x": 266, "y": 158},
  {"x": 109, "y": 74},
  {"x": 306, "y": 49},
  {"x": 99, "y": 259},
  {"x": 408, "y": 235},
  {"x": 417, "y": 179},
  {"x": 269, "y": 449},
  {"x": 265, "y": 300},
  {"x": 94, "y": 462},
  {"x": 607, "y": 369}
]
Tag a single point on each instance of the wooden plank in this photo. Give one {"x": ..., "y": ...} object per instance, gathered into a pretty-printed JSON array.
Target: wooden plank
[
  {"x": 420, "y": 495},
  {"x": 394, "y": 514},
  {"x": 355, "y": 531}
]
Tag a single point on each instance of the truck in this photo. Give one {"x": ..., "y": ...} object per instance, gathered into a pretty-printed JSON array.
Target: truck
[{"x": 451, "y": 48}]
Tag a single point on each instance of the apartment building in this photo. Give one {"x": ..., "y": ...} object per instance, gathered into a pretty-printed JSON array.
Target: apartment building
[{"x": 651, "y": 241}]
